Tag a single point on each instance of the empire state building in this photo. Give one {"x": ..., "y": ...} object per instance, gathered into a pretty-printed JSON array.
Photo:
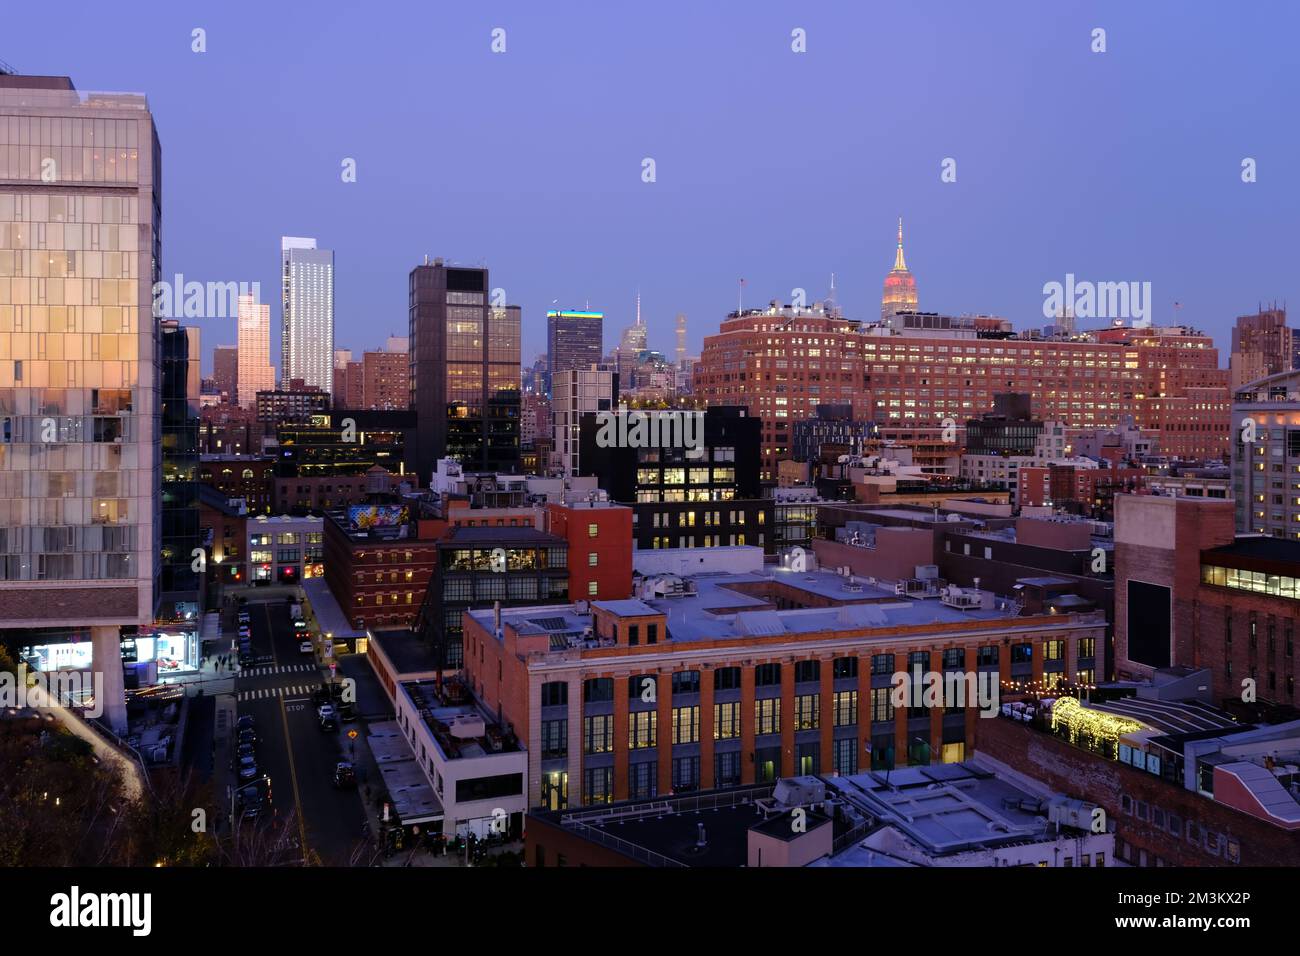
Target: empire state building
[{"x": 900, "y": 285}]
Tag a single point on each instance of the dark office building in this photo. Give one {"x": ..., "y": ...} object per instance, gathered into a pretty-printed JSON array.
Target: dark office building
[
  {"x": 179, "y": 403},
  {"x": 834, "y": 425},
  {"x": 478, "y": 567},
  {"x": 225, "y": 372},
  {"x": 573, "y": 340},
  {"x": 711, "y": 500},
  {"x": 346, "y": 442},
  {"x": 1008, "y": 430},
  {"x": 465, "y": 371},
  {"x": 295, "y": 403}
]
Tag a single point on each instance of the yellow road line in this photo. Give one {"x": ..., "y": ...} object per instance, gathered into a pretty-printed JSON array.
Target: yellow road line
[{"x": 293, "y": 775}]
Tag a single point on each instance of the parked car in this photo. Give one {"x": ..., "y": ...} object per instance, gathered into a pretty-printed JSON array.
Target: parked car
[
  {"x": 347, "y": 713},
  {"x": 326, "y": 710},
  {"x": 247, "y": 766},
  {"x": 247, "y": 736},
  {"x": 345, "y": 777},
  {"x": 329, "y": 723},
  {"x": 245, "y": 723}
]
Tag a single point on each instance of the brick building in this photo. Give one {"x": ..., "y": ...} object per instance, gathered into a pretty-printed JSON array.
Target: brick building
[
  {"x": 1158, "y": 819},
  {"x": 710, "y": 685},
  {"x": 783, "y": 362},
  {"x": 250, "y": 477},
  {"x": 1191, "y": 592},
  {"x": 379, "y": 572}
]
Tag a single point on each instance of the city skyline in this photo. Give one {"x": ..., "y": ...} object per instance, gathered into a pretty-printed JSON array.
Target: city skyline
[{"x": 1022, "y": 212}]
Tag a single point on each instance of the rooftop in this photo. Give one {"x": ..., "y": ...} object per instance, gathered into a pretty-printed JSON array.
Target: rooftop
[
  {"x": 461, "y": 728},
  {"x": 466, "y": 537},
  {"x": 714, "y": 606},
  {"x": 1260, "y": 547}
]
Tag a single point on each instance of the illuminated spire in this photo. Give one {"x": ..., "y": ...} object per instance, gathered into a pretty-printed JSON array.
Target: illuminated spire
[{"x": 899, "y": 264}]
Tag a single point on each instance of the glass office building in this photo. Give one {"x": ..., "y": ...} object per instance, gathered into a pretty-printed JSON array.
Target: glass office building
[{"x": 80, "y": 438}]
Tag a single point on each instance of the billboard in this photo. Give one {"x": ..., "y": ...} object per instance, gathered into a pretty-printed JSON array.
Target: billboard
[{"x": 365, "y": 517}]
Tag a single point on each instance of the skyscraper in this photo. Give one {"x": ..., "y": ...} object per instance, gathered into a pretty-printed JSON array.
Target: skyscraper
[
  {"x": 573, "y": 340},
  {"x": 900, "y": 285},
  {"x": 464, "y": 371},
  {"x": 179, "y": 401},
  {"x": 80, "y": 449},
  {"x": 307, "y": 298},
  {"x": 225, "y": 371},
  {"x": 1261, "y": 346},
  {"x": 256, "y": 374},
  {"x": 578, "y": 392}
]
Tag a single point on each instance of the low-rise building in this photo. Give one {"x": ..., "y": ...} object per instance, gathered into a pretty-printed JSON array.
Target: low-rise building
[{"x": 721, "y": 680}]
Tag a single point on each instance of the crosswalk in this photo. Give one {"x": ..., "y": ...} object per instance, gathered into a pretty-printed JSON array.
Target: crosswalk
[
  {"x": 272, "y": 669},
  {"x": 269, "y": 693}
]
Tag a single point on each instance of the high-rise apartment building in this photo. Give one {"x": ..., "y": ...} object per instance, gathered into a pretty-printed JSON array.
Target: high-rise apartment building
[
  {"x": 307, "y": 299},
  {"x": 385, "y": 380},
  {"x": 255, "y": 372},
  {"x": 225, "y": 371},
  {"x": 80, "y": 441},
  {"x": 573, "y": 340},
  {"x": 464, "y": 370},
  {"x": 1262, "y": 345},
  {"x": 577, "y": 392},
  {"x": 1266, "y": 455}
]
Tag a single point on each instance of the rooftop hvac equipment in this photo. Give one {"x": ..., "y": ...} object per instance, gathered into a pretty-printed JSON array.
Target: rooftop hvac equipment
[
  {"x": 467, "y": 727},
  {"x": 955, "y": 597},
  {"x": 799, "y": 791},
  {"x": 1071, "y": 813}
]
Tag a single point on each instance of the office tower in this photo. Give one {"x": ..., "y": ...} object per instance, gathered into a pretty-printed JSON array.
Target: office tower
[
  {"x": 1262, "y": 345},
  {"x": 681, "y": 340},
  {"x": 577, "y": 392},
  {"x": 79, "y": 405},
  {"x": 307, "y": 298},
  {"x": 256, "y": 373},
  {"x": 464, "y": 371},
  {"x": 397, "y": 343},
  {"x": 573, "y": 340},
  {"x": 900, "y": 285},
  {"x": 225, "y": 371},
  {"x": 179, "y": 581}
]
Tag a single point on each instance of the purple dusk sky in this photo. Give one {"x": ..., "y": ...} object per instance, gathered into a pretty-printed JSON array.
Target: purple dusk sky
[{"x": 775, "y": 166}]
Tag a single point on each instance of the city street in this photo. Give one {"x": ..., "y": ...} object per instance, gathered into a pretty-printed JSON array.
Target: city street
[{"x": 291, "y": 748}]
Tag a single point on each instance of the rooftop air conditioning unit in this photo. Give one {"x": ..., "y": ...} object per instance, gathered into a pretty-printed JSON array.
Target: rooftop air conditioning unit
[{"x": 467, "y": 727}]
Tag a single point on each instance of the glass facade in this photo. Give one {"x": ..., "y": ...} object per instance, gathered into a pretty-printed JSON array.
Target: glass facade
[{"x": 80, "y": 438}]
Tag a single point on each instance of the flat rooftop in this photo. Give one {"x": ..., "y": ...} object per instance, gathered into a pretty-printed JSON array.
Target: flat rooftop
[
  {"x": 408, "y": 653},
  {"x": 461, "y": 728},
  {"x": 409, "y": 791},
  {"x": 713, "y": 609},
  {"x": 466, "y": 537},
  {"x": 1260, "y": 547}
]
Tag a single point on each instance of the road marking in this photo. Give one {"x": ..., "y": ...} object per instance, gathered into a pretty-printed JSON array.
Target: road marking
[{"x": 293, "y": 775}]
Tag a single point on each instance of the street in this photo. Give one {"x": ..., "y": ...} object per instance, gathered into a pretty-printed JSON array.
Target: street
[{"x": 291, "y": 749}]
